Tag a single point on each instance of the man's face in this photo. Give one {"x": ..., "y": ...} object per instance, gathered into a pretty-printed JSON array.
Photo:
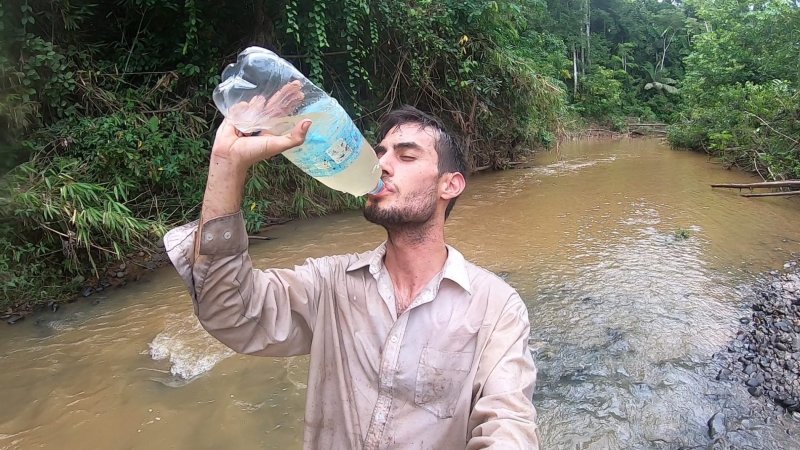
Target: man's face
[{"x": 410, "y": 168}]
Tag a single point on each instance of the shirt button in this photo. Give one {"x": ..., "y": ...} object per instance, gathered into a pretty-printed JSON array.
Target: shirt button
[
  {"x": 394, "y": 339},
  {"x": 209, "y": 237},
  {"x": 227, "y": 235}
]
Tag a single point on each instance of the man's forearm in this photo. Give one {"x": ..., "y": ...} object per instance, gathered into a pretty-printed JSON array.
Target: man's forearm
[
  {"x": 231, "y": 156},
  {"x": 223, "y": 195}
]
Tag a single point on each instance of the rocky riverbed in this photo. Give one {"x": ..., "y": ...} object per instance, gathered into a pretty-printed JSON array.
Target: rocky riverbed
[{"x": 765, "y": 355}]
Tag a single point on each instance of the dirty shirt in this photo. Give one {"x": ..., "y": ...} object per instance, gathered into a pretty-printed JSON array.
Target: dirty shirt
[{"x": 452, "y": 371}]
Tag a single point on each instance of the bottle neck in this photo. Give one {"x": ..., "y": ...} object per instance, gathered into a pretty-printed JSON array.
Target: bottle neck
[{"x": 378, "y": 187}]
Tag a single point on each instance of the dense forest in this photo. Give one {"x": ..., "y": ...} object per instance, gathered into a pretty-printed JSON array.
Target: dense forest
[{"x": 106, "y": 111}]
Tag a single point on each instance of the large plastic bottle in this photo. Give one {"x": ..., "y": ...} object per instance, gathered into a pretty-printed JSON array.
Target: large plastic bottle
[{"x": 262, "y": 92}]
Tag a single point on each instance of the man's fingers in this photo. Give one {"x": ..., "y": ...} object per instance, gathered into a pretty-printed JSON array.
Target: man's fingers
[{"x": 296, "y": 137}]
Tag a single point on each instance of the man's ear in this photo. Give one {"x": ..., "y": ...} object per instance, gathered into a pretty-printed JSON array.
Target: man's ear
[{"x": 453, "y": 184}]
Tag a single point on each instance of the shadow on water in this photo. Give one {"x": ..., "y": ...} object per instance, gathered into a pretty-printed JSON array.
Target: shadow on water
[{"x": 633, "y": 269}]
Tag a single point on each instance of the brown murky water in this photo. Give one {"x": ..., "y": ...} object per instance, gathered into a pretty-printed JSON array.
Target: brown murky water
[{"x": 625, "y": 317}]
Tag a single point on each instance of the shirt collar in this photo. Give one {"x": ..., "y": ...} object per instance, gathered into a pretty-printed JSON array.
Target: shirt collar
[{"x": 455, "y": 267}]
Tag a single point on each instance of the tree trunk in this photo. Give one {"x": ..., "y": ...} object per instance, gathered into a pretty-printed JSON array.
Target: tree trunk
[
  {"x": 583, "y": 60},
  {"x": 588, "y": 34},
  {"x": 574, "y": 72},
  {"x": 666, "y": 47},
  {"x": 264, "y": 32}
]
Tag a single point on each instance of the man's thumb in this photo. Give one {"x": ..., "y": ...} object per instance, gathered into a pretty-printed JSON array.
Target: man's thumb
[{"x": 298, "y": 134}]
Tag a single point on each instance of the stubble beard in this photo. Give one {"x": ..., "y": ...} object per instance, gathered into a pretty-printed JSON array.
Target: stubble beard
[{"x": 413, "y": 217}]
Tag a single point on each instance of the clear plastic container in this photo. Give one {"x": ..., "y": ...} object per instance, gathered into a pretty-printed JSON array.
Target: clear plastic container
[{"x": 263, "y": 92}]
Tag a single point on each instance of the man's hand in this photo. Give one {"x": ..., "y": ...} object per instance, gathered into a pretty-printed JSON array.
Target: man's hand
[
  {"x": 234, "y": 153},
  {"x": 243, "y": 151}
]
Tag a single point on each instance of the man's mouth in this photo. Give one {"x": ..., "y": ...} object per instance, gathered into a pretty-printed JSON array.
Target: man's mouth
[{"x": 387, "y": 189}]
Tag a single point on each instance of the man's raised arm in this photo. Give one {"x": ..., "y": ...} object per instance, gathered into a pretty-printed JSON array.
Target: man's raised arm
[{"x": 267, "y": 313}]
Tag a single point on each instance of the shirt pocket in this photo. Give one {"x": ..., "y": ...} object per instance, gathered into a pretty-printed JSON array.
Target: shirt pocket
[{"x": 440, "y": 380}]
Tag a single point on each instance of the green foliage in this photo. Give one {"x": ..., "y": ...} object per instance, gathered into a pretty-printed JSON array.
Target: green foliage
[
  {"x": 741, "y": 87},
  {"x": 485, "y": 69},
  {"x": 681, "y": 234},
  {"x": 630, "y": 64},
  {"x": 108, "y": 120},
  {"x": 602, "y": 93},
  {"x": 751, "y": 126}
]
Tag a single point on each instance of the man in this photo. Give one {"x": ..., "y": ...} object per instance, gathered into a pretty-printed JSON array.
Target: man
[{"x": 411, "y": 346}]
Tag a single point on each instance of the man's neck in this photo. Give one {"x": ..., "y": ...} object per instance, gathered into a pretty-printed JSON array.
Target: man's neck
[{"x": 413, "y": 258}]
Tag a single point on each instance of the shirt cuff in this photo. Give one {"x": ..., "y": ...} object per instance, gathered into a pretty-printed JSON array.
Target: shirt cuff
[{"x": 224, "y": 236}]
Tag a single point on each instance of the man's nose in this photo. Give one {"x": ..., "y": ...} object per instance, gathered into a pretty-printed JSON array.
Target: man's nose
[{"x": 385, "y": 163}]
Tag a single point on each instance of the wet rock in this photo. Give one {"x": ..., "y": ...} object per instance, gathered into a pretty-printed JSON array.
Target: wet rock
[
  {"x": 16, "y": 318},
  {"x": 87, "y": 291},
  {"x": 756, "y": 380},
  {"x": 724, "y": 375},
  {"x": 120, "y": 274},
  {"x": 766, "y": 350},
  {"x": 791, "y": 404},
  {"x": 716, "y": 425},
  {"x": 52, "y": 306}
]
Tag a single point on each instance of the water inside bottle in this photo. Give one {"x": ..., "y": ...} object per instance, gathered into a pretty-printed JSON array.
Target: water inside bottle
[{"x": 356, "y": 174}]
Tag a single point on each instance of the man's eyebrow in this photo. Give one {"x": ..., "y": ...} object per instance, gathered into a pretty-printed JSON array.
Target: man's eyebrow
[
  {"x": 380, "y": 149},
  {"x": 407, "y": 146}
]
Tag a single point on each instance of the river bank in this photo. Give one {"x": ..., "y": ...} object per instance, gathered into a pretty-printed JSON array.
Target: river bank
[
  {"x": 115, "y": 274},
  {"x": 765, "y": 354}
]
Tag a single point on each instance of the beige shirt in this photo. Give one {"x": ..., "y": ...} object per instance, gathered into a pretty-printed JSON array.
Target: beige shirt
[{"x": 452, "y": 371}]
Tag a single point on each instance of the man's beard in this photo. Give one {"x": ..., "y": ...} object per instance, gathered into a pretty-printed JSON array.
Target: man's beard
[{"x": 418, "y": 209}]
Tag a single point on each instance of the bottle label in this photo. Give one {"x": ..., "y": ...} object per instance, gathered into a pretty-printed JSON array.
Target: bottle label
[{"x": 319, "y": 157}]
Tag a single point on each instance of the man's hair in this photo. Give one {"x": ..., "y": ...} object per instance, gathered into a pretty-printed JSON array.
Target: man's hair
[{"x": 452, "y": 157}]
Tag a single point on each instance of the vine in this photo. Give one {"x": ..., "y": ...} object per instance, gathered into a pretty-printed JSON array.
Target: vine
[
  {"x": 318, "y": 41},
  {"x": 356, "y": 13}
]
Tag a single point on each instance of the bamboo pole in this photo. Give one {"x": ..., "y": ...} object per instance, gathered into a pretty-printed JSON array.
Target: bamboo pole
[
  {"x": 772, "y": 194},
  {"x": 764, "y": 184}
]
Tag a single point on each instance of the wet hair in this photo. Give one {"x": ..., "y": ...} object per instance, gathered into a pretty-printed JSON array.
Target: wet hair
[{"x": 452, "y": 157}]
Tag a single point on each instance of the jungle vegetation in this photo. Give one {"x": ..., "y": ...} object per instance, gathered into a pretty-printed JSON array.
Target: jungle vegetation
[{"x": 107, "y": 119}]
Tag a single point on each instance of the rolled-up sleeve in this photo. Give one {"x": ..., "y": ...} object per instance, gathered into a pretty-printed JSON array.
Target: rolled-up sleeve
[
  {"x": 269, "y": 313},
  {"x": 503, "y": 416}
]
